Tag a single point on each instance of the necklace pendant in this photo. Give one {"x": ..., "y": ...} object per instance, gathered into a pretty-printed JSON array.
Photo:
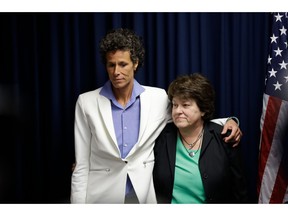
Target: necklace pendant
[{"x": 192, "y": 154}]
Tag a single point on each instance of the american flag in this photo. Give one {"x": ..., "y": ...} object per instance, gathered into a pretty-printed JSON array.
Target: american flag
[{"x": 273, "y": 159}]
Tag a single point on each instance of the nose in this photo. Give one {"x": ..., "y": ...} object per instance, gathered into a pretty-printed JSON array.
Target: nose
[
  {"x": 116, "y": 70},
  {"x": 178, "y": 109}
]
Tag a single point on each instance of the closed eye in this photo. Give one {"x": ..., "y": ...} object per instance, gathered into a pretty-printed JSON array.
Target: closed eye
[{"x": 122, "y": 64}]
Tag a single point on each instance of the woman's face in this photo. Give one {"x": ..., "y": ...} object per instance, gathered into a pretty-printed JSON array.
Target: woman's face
[
  {"x": 186, "y": 113},
  {"x": 120, "y": 68}
]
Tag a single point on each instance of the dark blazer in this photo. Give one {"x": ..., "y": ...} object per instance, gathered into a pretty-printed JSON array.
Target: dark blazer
[{"x": 219, "y": 164}]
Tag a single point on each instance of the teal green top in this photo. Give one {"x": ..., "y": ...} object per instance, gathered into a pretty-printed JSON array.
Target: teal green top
[{"x": 188, "y": 186}]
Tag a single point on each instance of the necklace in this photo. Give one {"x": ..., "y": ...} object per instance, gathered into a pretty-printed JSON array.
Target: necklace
[
  {"x": 194, "y": 143},
  {"x": 192, "y": 153}
]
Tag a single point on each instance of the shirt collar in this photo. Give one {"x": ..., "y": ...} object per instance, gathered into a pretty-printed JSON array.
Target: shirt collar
[{"x": 107, "y": 92}]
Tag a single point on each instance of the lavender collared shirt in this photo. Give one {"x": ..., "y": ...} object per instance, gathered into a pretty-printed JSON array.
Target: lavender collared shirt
[{"x": 126, "y": 120}]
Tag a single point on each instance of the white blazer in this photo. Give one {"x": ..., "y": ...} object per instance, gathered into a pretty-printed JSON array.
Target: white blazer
[{"x": 100, "y": 174}]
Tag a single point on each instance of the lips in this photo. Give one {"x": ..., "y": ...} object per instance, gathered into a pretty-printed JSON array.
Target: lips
[
  {"x": 117, "y": 80},
  {"x": 180, "y": 118}
]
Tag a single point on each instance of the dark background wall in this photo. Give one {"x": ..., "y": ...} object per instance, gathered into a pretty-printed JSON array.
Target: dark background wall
[{"x": 48, "y": 59}]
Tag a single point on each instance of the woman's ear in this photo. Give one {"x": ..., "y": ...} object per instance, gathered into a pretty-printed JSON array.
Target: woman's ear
[{"x": 135, "y": 66}]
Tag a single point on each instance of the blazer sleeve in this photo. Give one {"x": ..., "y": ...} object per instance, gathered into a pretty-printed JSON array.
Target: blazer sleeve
[
  {"x": 221, "y": 168},
  {"x": 239, "y": 184},
  {"x": 82, "y": 137}
]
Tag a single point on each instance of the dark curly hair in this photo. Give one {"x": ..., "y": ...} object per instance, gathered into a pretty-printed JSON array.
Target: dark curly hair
[
  {"x": 125, "y": 40},
  {"x": 196, "y": 87}
]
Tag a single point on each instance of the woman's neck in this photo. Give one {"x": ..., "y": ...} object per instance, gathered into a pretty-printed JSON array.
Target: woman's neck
[
  {"x": 123, "y": 95},
  {"x": 193, "y": 131},
  {"x": 191, "y": 137}
]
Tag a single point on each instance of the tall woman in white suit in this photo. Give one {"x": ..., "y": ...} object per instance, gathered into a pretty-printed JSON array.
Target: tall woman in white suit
[{"x": 116, "y": 127}]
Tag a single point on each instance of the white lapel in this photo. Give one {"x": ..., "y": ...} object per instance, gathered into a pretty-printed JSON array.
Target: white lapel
[
  {"x": 144, "y": 114},
  {"x": 104, "y": 106}
]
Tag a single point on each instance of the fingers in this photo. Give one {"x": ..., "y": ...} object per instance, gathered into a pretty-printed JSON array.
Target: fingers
[
  {"x": 237, "y": 140},
  {"x": 73, "y": 167},
  {"x": 230, "y": 125},
  {"x": 231, "y": 137},
  {"x": 234, "y": 137}
]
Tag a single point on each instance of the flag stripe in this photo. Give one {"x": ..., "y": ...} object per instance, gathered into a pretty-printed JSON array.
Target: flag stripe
[
  {"x": 285, "y": 200},
  {"x": 281, "y": 181},
  {"x": 270, "y": 112},
  {"x": 278, "y": 192},
  {"x": 270, "y": 115}
]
